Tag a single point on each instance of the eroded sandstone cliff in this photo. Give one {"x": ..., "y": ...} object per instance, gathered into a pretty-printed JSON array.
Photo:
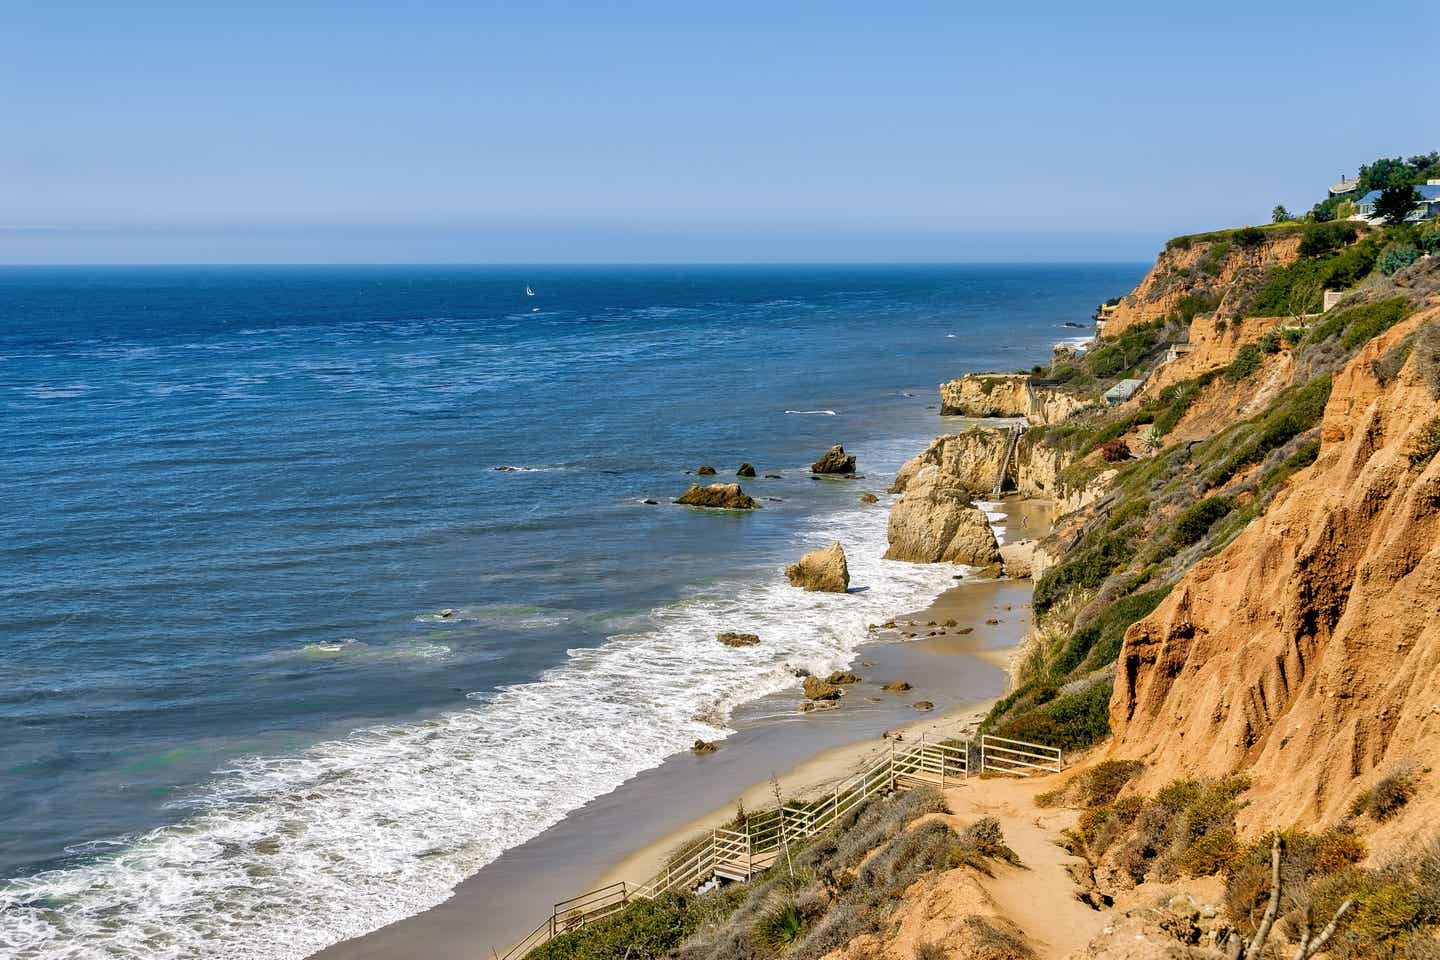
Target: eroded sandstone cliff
[{"x": 1307, "y": 651}]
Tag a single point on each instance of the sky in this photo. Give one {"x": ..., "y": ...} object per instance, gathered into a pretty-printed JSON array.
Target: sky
[{"x": 543, "y": 131}]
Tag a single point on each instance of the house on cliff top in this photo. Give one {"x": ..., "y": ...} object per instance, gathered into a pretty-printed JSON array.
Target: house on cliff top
[{"x": 1426, "y": 207}]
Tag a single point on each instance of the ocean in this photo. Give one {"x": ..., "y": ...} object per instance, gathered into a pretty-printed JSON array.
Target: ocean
[{"x": 286, "y": 656}]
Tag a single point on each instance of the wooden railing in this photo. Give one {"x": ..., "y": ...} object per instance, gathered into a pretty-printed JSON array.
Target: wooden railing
[
  {"x": 741, "y": 850},
  {"x": 1002, "y": 755}
]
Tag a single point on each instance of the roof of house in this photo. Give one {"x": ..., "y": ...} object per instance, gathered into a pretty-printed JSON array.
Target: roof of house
[
  {"x": 1427, "y": 191},
  {"x": 1124, "y": 390}
]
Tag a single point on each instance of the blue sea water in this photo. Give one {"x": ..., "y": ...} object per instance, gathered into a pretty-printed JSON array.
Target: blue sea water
[{"x": 237, "y": 499}]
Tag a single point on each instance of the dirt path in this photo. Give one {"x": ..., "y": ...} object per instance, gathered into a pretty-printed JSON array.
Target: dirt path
[{"x": 1039, "y": 898}]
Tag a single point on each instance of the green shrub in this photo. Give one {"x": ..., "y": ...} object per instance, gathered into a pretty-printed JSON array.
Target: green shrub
[
  {"x": 1270, "y": 343},
  {"x": 645, "y": 928},
  {"x": 1086, "y": 569},
  {"x": 1306, "y": 279},
  {"x": 1429, "y": 239},
  {"x": 1070, "y": 722},
  {"x": 1372, "y": 319},
  {"x": 1249, "y": 236},
  {"x": 1297, "y": 461},
  {"x": 1296, "y": 410},
  {"x": 1117, "y": 356},
  {"x": 1196, "y": 520},
  {"x": 1191, "y": 305},
  {"x": 1424, "y": 445},
  {"x": 780, "y": 926},
  {"x": 1396, "y": 257},
  {"x": 1324, "y": 239},
  {"x": 1098, "y": 642},
  {"x": 1246, "y": 362}
]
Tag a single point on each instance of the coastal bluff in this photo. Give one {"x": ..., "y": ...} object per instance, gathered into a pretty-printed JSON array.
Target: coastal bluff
[
  {"x": 1307, "y": 652},
  {"x": 991, "y": 395}
]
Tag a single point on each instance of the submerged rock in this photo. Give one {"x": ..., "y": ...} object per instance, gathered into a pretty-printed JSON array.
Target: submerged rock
[
  {"x": 704, "y": 746},
  {"x": 447, "y": 613},
  {"x": 731, "y": 639},
  {"x": 650, "y": 503},
  {"x": 869, "y": 498},
  {"x": 821, "y": 571},
  {"x": 705, "y": 471},
  {"x": 835, "y": 460},
  {"x": 746, "y": 470},
  {"x": 773, "y": 476},
  {"x": 722, "y": 496},
  {"x": 842, "y": 677},
  {"x": 810, "y": 705},
  {"x": 923, "y": 705},
  {"x": 817, "y": 689},
  {"x": 897, "y": 686}
]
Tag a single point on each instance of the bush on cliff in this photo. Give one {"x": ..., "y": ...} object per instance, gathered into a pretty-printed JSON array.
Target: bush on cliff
[
  {"x": 1069, "y": 721},
  {"x": 1086, "y": 570},
  {"x": 1098, "y": 642}
]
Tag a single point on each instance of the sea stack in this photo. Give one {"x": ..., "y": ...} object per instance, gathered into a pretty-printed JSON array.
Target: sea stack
[
  {"x": 821, "y": 571},
  {"x": 835, "y": 462}
]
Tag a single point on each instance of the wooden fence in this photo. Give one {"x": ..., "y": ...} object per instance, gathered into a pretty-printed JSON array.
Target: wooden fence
[{"x": 741, "y": 850}]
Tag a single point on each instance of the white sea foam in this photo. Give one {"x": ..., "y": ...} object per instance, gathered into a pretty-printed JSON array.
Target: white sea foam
[
  {"x": 821, "y": 413},
  {"x": 280, "y": 856}
]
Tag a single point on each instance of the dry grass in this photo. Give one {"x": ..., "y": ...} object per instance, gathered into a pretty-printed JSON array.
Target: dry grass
[{"x": 1390, "y": 793}]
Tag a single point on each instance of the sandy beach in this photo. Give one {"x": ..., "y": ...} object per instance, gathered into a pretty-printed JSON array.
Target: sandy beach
[{"x": 627, "y": 833}]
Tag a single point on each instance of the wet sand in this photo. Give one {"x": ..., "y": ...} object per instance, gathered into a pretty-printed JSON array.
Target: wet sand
[{"x": 627, "y": 833}]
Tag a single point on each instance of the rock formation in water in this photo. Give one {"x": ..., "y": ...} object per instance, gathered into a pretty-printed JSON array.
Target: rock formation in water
[
  {"x": 934, "y": 521},
  {"x": 731, "y": 639},
  {"x": 722, "y": 496},
  {"x": 817, "y": 689},
  {"x": 834, "y": 461},
  {"x": 821, "y": 571}
]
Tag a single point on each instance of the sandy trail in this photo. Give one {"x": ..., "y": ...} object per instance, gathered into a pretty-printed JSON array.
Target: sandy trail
[{"x": 1040, "y": 897}]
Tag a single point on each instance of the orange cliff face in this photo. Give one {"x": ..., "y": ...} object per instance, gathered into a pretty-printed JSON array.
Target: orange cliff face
[
  {"x": 1307, "y": 652},
  {"x": 1200, "y": 267}
]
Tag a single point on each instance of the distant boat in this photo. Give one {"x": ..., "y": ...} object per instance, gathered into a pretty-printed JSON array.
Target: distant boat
[{"x": 528, "y": 291}]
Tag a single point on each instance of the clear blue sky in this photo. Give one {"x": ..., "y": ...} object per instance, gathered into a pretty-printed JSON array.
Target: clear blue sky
[{"x": 544, "y": 131}]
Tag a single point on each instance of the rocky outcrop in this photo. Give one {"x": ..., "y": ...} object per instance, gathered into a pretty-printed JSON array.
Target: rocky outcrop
[
  {"x": 1199, "y": 268},
  {"x": 731, "y": 639},
  {"x": 869, "y": 498},
  {"x": 1007, "y": 395},
  {"x": 817, "y": 689},
  {"x": 834, "y": 461},
  {"x": 823, "y": 571},
  {"x": 985, "y": 395},
  {"x": 969, "y": 461},
  {"x": 746, "y": 470},
  {"x": 933, "y": 521},
  {"x": 1307, "y": 652},
  {"x": 720, "y": 496},
  {"x": 1018, "y": 559},
  {"x": 705, "y": 471},
  {"x": 841, "y": 677}
]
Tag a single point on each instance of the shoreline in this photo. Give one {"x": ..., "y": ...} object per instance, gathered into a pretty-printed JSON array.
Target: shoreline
[{"x": 626, "y": 834}]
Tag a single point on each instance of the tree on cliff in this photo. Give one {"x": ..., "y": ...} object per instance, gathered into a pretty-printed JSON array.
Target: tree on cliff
[
  {"x": 1395, "y": 203},
  {"x": 1280, "y": 214}
]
